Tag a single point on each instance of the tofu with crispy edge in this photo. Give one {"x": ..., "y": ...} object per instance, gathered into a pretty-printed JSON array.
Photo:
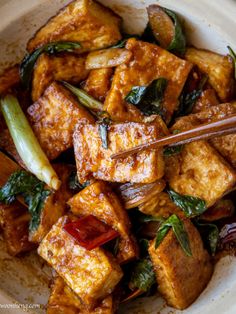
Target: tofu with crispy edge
[
  {"x": 87, "y": 22},
  {"x": 160, "y": 205},
  {"x": 55, "y": 204},
  {"x": 98, "y": 83},
  {"x": 206, "y": 100},
  {"x": 149, "y": 62},
  {"x": 98, "y": 200},
  {"x": 63, "y": 67},
  {"x": 93, "y": 160},
  {"x": 220, "y": 70},
  {"x": 181, "y": 278},
  {"x": 92, "y": 275},
  {"x": 199, "y": 170},
  {"x": 63, "y": 300},
  {"x": 14, "y": 221},
  {"x": 225, "y": 145},
  {"x": 53, "y": 118}
]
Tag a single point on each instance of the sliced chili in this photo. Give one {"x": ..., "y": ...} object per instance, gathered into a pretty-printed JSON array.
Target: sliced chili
[{"x": 90, "y": 232}]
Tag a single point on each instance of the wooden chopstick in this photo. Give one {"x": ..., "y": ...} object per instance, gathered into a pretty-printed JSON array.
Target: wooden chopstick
[{"x": 201, "y": 132}]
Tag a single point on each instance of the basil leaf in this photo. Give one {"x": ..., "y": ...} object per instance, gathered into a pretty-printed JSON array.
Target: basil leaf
[
  {"x": 103, "y": 128},
  {"x": 170, "y": 151},
  {"x": 188, "y": 100},
  {"x": 136, "y": 94},
  {"x": 149, "y": 99},
  {"x": 143, "y": 276},
  {"x": 178, "y": 43},
  {"x": 32, "y": 189},
  {"x": 192, "y": 206},
  {"x": 121, "y": 43},
  {"x": 74, "y": 183},
  {"x": 178, "y": 228},
  {"x": 210, "y": 234},
  {"x": 27, "y": 65},
  {"x": 233, "y": 56},
  {"x": 143, "y": 218}
]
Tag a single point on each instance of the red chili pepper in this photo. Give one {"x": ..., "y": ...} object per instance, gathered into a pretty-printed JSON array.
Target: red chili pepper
[{"x": 90, "y": 232}]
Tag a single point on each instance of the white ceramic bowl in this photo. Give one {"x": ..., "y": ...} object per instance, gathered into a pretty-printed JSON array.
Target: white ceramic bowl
[{"x": 210, "y": 24}]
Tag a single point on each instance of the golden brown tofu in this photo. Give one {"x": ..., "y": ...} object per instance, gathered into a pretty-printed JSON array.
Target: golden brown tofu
[
  {"x": 92, "y": 275},
  {"x": 14, "y": 221},
  {"x": 160, "y": 205},
  {"x": 181, "y": 278},
  {"x": 64, "y": 301},
  {"x": 225, "y": 145},
  {"x": 98, "y": 200},
  {"x": 206, "y": 100},
  {"x": 149, "y": 62},
  {"x": 99, "y": 83},
  {"x": 93, "y": 160},
  {"x": 219, "y": 69},
  {"x": 53, "y": 118},
  {"x": 49, "y": 68},
  {"x": 55, "y": 204},
  {"x": 9, "y": 78},
  {"x": 87, "y": 22},
  {"x": 199, "y": 170}
]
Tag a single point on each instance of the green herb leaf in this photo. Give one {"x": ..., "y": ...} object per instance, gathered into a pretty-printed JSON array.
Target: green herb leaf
[
  {"x": 136, "y": 94},
  {"x": 210, "y": 234},
  {"x": 32, "y": 189},
  {"x": 74, "y": 183},
  {"x": 233, "y": 56},
  {"x": 188, "y": 100},
  {"x": 178, "y": 228},
  {"x": 143, "y": 276},
  {"x": 178, "y": 43},
  {"x": 149, "y": 98},
  {"x": 170, "y": 151},
  {"x": 192, "y": 206},
  {"x": 143, "y": 218},
  {"x": 27, "y": 65},
  {"x": 121, "y": 43},
  {"x": 103, "y": 128}
]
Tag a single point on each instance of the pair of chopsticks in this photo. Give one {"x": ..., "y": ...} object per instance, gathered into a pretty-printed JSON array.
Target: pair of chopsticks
[{"x": 202, "y": 132}]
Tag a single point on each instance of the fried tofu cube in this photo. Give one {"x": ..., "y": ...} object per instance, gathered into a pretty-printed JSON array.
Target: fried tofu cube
[
  {"x": 93, "y": 160},
  {"x": 199, "y": 170},
  {"x": 55, "y": 204},
  {"x": 64, "y": 301},
  {"x": 99, "y": 83},
  {"x": 149, "y": 62},
  {"x": 225, "y": 145},
  {"x": 98, "y": 200},
  {"x": 206, "y": 100},
  {"x": 53, "y": 118},
  {"x": 14, "y": 221},
  {"x": 49, "y": 68},
  {"x": 219, "y": 69},
  {"x": 9, "y": 78},
  {"x": 160, "y": 205},
  {"x": 181, "y": 278},
  {"x": 87, "y": 22},
  {"x": 92, "y": 275}
]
